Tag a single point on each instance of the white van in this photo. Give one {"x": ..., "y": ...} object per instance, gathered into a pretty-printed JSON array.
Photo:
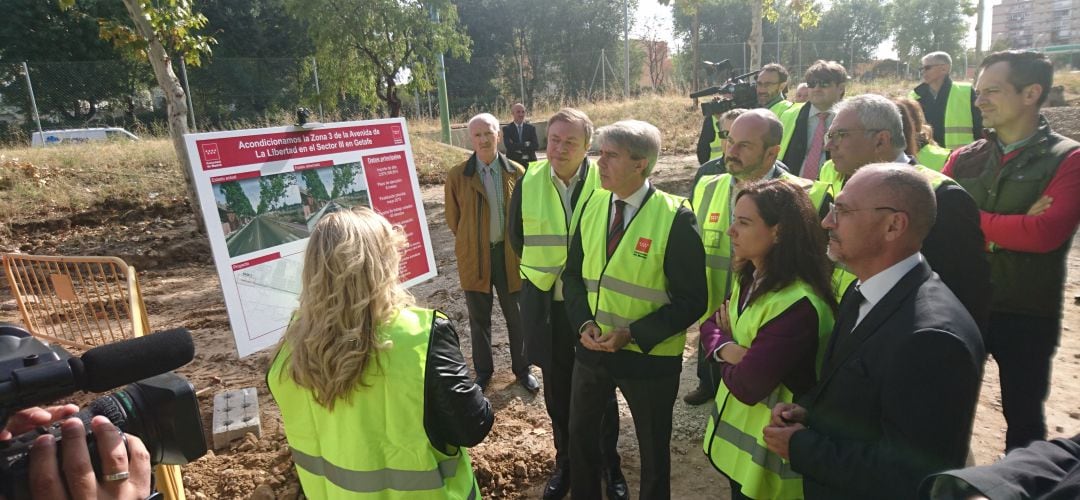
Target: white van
[{"x": 77, "y": 135}]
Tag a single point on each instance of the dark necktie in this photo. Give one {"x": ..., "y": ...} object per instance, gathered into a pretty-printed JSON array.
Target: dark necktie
[
  {"x": 615, "y": 232},
  {"x": 846, "y": 317}
]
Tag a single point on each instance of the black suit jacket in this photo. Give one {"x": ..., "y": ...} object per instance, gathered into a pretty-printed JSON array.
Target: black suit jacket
[
  {"x": 956, "y": 250},
  {"x": 515, "y": 146},
  {"x": 796, "y": 150},
  {"x": 687, "y": 289},
  {"x": 897, "y": 395},
  {"x": 535, "y": 304}
]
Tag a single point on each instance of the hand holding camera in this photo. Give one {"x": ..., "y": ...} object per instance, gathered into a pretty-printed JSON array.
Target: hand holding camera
[
  {"x": 69, "y": 472},
  {"x": 100, "y": 457}
]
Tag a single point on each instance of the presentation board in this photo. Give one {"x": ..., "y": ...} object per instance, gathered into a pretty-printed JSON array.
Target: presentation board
[{"x": 263, "y": 190}]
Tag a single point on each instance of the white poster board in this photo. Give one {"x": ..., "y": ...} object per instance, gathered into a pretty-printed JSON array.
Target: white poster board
[{"x": 262, "y": 191}]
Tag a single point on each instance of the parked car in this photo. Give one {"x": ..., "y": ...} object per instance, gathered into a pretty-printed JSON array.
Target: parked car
[{"x": 77, "y": 135}]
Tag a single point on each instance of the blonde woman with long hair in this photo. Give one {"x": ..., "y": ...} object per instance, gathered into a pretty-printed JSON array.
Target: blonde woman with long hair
[{"x": 374, "y": 392}]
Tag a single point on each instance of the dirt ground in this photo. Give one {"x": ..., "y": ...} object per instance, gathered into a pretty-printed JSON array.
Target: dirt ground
[{"x": 181, "y": 289}]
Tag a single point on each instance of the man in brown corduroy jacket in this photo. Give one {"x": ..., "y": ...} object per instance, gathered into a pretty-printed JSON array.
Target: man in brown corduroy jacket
[{"x": 477, "y": 199}]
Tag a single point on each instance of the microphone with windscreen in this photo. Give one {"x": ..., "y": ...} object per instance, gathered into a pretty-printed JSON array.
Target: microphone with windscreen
[{"x": 32, "y": 372}]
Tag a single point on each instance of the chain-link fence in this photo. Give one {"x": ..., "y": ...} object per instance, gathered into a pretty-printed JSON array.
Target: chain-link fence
[{"x": 228, "y": 93}]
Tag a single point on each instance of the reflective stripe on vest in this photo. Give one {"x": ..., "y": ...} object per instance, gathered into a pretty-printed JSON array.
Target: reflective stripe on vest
[
  {"x": 788, "y": 119},
  {"x": 933, "y": 156},
  {"x": 733, "y": 439},
  {"x": 373, "y": 444},
  {"x": 958, "y": 119},
  {"x": 543, "y": 223},
  {"x": 716, "y": 147},
  {"x": 631, "y": 284},
  {"x": 713, "y": 211},
  {"x": 373, "y": 481}
]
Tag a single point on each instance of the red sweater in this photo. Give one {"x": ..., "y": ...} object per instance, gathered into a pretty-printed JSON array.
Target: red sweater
[{"x": 1039, "y": 233}]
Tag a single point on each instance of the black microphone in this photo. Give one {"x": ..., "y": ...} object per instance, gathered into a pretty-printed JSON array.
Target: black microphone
[
  {"x": 100, "y": 369},
  {"x": 113, "y": 365},
  {"x": 706, "y": 92}
]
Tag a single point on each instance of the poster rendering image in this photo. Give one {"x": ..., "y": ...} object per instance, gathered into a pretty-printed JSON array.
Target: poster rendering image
[
  {"x": 259, "y": 213},
  {"x": 329, "y": 189},
  {"x": 262, "y": 192}
]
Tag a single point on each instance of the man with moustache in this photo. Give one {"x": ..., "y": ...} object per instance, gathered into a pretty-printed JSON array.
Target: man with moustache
[
  {"x": 901, "y": 373},
  {"x": 869, "y": 129},
  {"x": 544, "y": 210}
]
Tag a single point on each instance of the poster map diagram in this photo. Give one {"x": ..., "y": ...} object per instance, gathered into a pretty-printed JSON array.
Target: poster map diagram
[{"x": 262, "y": 191}]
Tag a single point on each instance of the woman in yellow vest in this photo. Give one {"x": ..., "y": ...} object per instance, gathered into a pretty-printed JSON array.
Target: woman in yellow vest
[
  {"x": 769, "y": 335},
  {"x": 374, "y": 393},
  {"x": 920, "y": 136}
]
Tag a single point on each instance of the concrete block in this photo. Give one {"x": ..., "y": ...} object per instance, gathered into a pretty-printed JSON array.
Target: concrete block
[{"x": 236, "y": 412}]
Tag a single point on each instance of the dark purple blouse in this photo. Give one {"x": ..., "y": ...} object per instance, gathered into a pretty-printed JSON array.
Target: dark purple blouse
[{"x": 784, "y": 351}]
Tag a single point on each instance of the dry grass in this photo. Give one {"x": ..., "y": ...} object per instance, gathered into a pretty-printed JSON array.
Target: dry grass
[
  {"x": 35, "y": 182},
  {"x": 75, "y": 178},
  {"x": 433, "y": 159}
]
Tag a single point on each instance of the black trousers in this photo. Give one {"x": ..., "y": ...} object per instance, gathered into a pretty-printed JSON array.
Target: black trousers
[
  {"x": 558, "y": 382},
  {"x": 1023, "y": 347},
  {"x": 651, "y": 401},
  {"x": 479, "y": 306}
]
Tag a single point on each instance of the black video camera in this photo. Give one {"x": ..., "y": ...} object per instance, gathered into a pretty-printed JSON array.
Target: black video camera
[
  {"x": 736, "y": 92},
  {"x": 161, "y": 408}
]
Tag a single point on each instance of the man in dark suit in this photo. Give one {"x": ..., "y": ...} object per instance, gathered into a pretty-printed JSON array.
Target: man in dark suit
[
  {"x": 901, "y": 373},
  {"x": 634, "y": 281},
  {"x": 545, "y": 210},
  {"x": 519, "y": 138},
  {"x": 868, "y": 129},
  {"x": 803, "y": 147}
]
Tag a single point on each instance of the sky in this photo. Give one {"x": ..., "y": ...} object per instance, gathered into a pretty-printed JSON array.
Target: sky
[{"x": 650, "y": 11}]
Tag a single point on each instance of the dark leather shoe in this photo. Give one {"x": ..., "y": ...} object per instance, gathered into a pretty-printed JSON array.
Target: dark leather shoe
[
  {"x": 528, "y": 381},
  {"x": 483, "y": 380},
  {"x": 616, "y": 485},
  {"x": 699, "y": 396},
  {"x": 558, "y": 485}
]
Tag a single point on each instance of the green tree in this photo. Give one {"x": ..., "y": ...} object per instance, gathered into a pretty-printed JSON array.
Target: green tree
[
  {"x": 262, "y": 63},
  {"x": 315, "y": 185},
  {"x": 272, "y": 191},
  {"x": 369, "y": 48},
  {"x": 235, "y": 198},
  {"x": 343, "y": 177},
  {"x": 155, "y": 25},
  {"x": 75, "y": 73},
  {"x": 861, "y": 24},
  {"x": 923, "y": 26}
]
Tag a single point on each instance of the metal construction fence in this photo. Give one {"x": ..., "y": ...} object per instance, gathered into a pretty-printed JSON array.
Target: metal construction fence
[{"x": 228, "y": 93}]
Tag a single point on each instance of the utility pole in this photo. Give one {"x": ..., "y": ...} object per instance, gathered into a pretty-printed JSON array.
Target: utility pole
[
  {"x": 626, "y": 37},
  {"x": 444, "y": 101}
]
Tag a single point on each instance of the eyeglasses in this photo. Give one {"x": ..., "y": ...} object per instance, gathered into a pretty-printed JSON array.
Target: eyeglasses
[
  {"x": 929, "y": 67},
  {"x": 723, "y": 134},
  {"x": 837, "y": 136},
  {"x": 815, "y": 83},
  {"x": 835, "y": 212}
]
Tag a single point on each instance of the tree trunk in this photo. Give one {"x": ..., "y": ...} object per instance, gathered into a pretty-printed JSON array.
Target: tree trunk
[
  {"x": 756, "y": 38},
  {"x": 176, "y": 106},
  {"x": 696, "y": 28}
]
